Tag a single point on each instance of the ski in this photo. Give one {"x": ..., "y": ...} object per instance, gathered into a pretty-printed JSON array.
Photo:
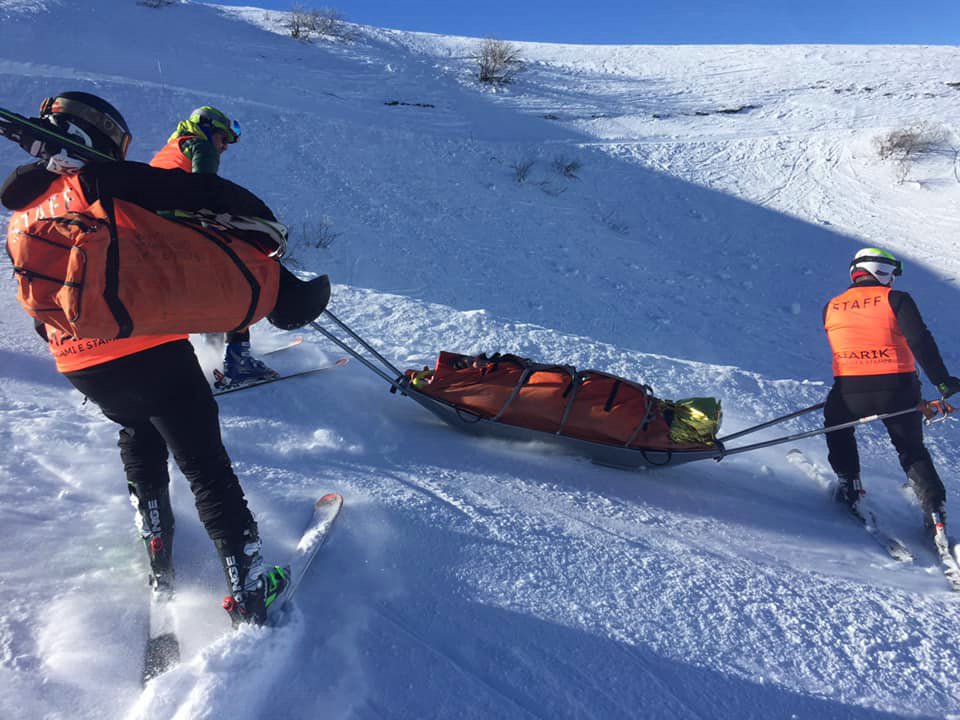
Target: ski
[
  {"x": 219, "y": 377},
  {"x": 163, "y": 647},
  {"x": 292, "y": 344},
  {"x": 46, "y": 141},
  {"x": 325, "y": 511},
  {"x": 868, "y": 520}
]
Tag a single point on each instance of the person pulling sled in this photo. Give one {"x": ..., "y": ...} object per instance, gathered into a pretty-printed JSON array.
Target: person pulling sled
[{"x": 878, "y": 337}]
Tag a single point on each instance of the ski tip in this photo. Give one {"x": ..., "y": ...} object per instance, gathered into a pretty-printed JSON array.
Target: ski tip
[
  {"x": 342, "y": 361},
  {"x": 328, "y": 499}
]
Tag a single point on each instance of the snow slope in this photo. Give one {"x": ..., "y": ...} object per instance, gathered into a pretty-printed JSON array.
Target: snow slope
[{"x": 480, "y": 579}]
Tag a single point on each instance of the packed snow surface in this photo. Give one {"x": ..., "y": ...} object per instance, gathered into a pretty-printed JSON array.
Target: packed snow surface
[{"x": 685, "y": 214}]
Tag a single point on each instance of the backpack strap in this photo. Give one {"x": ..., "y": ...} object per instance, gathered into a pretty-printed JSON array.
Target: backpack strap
[{"x": 111, "y": 291}]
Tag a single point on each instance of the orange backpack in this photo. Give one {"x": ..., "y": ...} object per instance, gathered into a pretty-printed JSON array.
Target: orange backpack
[{"x": 130, "y": 272}]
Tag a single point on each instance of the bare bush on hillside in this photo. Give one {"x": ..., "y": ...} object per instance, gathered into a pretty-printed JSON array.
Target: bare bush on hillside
[
  {"x": 521, "y": 169},
  {"x": 306, "y": 23},
  {"x": 906, "y": 146},
  {"x": 498, "y": 62},
  {"x": 319, "y": 233},
  {"x": 567, "y": 167}
]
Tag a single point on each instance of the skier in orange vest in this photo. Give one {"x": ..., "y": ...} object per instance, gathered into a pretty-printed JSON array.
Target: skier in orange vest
[
  {"x": 195, "y": 147},
  {"x": 878, "y": 337},
  {"x": 152, "y": 386}
]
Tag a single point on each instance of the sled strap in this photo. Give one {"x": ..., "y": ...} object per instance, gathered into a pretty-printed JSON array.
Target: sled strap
[
  {"x": 648, "y": 416},
  {"x": 613, "y": 396},
  {"x": 572, "y": 390},
  {"x": 516, "y": 391}
]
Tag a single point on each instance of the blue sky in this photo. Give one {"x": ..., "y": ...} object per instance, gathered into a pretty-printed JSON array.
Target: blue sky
[{"x": 662, "y": 21}]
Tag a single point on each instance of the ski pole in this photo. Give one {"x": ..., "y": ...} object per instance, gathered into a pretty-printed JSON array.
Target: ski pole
[
  {"x": 823, "y": 431},
  {"x": 775, "y": 421}
]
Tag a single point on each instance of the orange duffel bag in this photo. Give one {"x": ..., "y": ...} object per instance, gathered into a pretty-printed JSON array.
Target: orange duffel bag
[{"x": 140, "y": 275}]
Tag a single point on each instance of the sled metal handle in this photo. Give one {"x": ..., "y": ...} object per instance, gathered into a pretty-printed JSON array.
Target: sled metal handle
[
  {"x": 367, "y": 346},
  {"x": 823, "y": 431},
  {"x": 393, "y": 381},
  {"x": 770, "y": 423},
  {"x": 936, "y": 411}
]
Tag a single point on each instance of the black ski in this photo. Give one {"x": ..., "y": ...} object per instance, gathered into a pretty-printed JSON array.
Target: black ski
[
  {"x": 46, "y": 141},
  {"x": 218, "y": 376}
]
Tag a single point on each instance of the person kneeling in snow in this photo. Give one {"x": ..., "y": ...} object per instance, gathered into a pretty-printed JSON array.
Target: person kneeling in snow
[
  {"x": 195, "y": 147},
  {"x": 877, "y": 336},
  {"x": 152, "y": 386}
]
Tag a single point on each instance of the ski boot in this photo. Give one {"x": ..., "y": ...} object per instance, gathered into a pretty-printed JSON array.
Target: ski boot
[
  {"x": 935, "y": 523},
  {"x": 848, "y": 491},
  {"x": 253, "y": 589},
  {"x": 241, "y": 368},
  {"x": 946, "y": 548},
  {"x": 154, "y": 520}
]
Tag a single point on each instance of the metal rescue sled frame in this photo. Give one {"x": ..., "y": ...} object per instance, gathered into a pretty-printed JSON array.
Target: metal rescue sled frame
[{"x": 619, "y": 456}]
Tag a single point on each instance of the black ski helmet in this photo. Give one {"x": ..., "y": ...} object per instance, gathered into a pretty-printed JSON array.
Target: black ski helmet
[{"x": 90, "y": 120}]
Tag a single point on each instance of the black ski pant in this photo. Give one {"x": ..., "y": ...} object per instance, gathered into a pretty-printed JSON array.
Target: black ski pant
[
  {"x": 162, "y": 400},
  {"x": 856, "y": 397},
  {"x": 235, "y": 336}
]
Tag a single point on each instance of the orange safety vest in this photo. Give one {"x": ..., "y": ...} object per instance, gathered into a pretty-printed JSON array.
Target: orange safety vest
[
  {"x": 71, "y": 353},
  {"x": 864, "y": 334},
  {"x": 172, "y": 157}
]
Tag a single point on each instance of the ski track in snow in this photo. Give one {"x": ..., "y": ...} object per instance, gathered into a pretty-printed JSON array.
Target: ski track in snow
[{"x": 719, "y": 196}]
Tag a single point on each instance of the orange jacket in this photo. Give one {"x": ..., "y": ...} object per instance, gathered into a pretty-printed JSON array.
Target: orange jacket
[
  {"x": 71, "y": 353},
  {"x": 864, "y": 334},
  {"x": 172, "y": 157}
]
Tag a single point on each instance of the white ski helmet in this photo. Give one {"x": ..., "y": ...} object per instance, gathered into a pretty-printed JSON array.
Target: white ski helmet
[{"x": 883, "y": 266}]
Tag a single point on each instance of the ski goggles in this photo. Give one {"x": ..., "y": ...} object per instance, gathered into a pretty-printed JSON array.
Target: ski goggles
[
  {"x": 231, "y": 129},
  {"x": 879, "y": 259},
  {"x": 235, "y": 129},
  {"x": 52, "y": 106}
]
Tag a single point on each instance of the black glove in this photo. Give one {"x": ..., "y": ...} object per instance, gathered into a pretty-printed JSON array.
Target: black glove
[
  {"x": 35, "y": 145},
  {"x": 949, "y": 386}
]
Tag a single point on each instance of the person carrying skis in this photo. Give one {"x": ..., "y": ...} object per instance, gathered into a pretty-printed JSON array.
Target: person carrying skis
[
  {"x": 877, "y": 337},
  {"x": 195, "y": 147},
  {"x": 152, "y": 386}
]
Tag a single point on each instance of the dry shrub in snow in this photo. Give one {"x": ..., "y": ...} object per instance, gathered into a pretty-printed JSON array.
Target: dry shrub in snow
[
  {"x": 522, "y": 168},
  {"x": 498, "y": 62},
  {"x": 922, "y": 138},
  {"x": 305, "y": 23},
  {"x": 905, "y": 146},
  {"x": 566, "y": 166}
]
